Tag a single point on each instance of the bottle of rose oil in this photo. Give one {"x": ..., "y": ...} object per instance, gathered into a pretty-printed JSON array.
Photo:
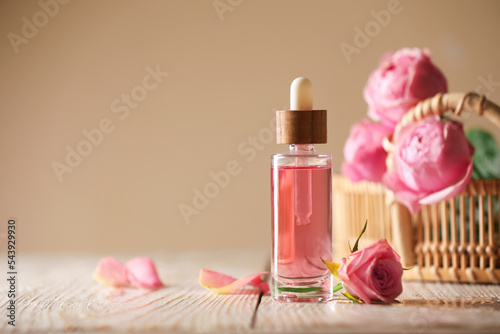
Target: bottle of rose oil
[{"x": 301, "y": 194}]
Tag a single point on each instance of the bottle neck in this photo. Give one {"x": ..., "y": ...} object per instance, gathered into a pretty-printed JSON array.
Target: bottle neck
[{"x": 302, "y": 149}]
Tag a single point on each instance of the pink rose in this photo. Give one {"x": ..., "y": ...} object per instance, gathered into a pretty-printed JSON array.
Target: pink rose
[
  {"x": 364, "y": 156},
  {"x": 372, "y": 273},
  {"x": 432, "y": 162},
  {"x": 401, "y": 80}
]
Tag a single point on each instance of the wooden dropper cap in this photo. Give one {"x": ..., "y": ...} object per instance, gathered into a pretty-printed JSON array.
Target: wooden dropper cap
[{"x": 301, "y": 124}]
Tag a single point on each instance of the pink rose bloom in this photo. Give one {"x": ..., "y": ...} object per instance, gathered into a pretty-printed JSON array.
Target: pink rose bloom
[
  {"x": 364, "y": 156},
  {"x": 373, "y": 273},
  {"x": 401, "y": 80},
  {"x": 432, "y": 162}
]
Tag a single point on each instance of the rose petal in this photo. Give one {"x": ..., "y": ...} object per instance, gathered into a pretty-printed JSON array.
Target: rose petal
[
  {"x": 355, "y": 286},
  {"x": 111, "y": 272},
  {"x": 142, "y": 273},
  {"x": 224, "y": 284},
  {"x": 359, "y": 289},
  {"x": 406, "y": 196},
  {"x": 378, "y": 249},
  {"x": 392, "y": 283},
  {"x": 450, "y": 191}
]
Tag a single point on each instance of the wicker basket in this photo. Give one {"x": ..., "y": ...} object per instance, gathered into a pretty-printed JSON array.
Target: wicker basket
[{"x": 442, "y": 241}]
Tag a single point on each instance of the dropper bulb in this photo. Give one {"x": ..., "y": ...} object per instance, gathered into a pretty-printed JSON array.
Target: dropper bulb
[{"x": 301, "y": 95}]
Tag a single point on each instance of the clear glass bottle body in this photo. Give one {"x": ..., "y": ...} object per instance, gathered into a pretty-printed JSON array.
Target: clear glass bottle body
[{"x": 301, "y": 201}]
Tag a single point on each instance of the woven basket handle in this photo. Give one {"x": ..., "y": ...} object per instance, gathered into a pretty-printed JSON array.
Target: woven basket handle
[{"x": 440, "y": 103}]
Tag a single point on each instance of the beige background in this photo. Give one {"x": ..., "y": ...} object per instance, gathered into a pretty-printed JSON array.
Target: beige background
[{"x": 226, "y": 78}]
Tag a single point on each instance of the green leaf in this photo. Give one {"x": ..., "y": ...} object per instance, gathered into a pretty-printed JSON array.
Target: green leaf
[
  {"x": 337, "y": 287},
  {"x": 333, "y": 267},
  {"x": 486, "y": 157},
  {"x": 348, "y": 295},
  {"x": 475, "y": 175},
  {"x": 300, "y": 290},
  {"x": 410, "y": 268},
  {"x": 355, "y": 248}
]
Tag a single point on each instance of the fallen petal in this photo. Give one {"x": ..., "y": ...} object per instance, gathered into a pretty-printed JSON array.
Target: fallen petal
[
  {"x": 142, "y": 273},
  {"x": 224, "y": 284},
  {"x": 111, "y": 272}
]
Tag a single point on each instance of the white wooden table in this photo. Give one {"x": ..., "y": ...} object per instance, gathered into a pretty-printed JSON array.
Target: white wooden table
[{"x": 57, "y": 295}]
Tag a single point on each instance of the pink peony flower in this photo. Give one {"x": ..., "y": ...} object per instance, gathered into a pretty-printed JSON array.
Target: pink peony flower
[
  {"x": 432, "y": 162},
  {"x": 401, "y": 80},
  {"x": 364, "y": 156},
  {"x": 373, "y": 273},
  {"x": 142, "y": 273}
]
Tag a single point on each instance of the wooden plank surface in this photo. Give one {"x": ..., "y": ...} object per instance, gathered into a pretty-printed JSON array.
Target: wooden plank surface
[
  {"x": 58, "y": 295},
  {"x": 423, "y": 308}
]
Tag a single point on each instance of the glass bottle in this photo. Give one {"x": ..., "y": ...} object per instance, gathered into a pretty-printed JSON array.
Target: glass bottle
[{"x": 301, "y": 193}]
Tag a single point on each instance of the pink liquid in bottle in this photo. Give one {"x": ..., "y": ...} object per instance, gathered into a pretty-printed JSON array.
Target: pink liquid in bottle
[{"x": 302, "y": 232}]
